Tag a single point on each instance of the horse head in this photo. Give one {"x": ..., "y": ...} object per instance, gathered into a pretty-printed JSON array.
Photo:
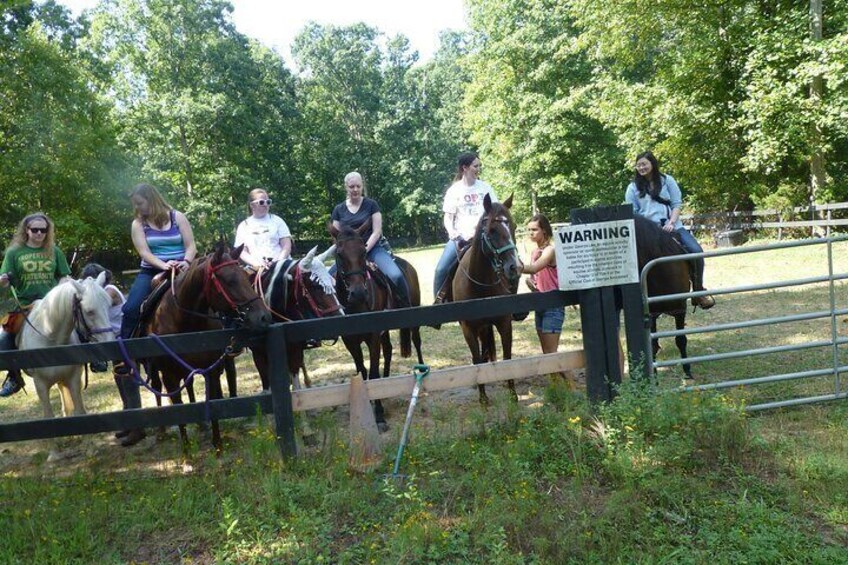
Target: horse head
[
  {"x": 90, "y": 309},
  {"x": 227, "y": 288},
  {"x": 496, "y": 236},
  {"x": 314, "y": 291},
  {"x": 352, "y": 274}
]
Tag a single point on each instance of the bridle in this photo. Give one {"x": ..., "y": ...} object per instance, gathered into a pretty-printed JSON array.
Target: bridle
[
  {"x": 211, "y": 280},
  {"x": 493, "y": 254},
  {"x": 344, "y": 275},
  {"x": 300, "y": 290},
  {"x": 83, "y": 329}
]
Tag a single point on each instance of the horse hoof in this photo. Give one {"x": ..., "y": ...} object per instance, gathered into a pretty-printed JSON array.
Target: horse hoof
[
  {"x": 133, "y": 437},
  {"x": 382, "y": 427}
]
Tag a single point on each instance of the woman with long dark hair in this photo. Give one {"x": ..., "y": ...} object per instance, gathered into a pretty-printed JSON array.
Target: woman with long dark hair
[
  {"x": 657, "y": 197},
  {"x": 462, "y": 208}
]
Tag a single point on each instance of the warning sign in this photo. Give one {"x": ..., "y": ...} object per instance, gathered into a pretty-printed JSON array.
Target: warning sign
[{"x": 596, "y": 255}]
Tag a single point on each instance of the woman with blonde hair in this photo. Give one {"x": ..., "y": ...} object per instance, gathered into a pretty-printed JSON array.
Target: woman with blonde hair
[
  {"x": 164, "y": 240},
  {"x": 265, "y": 236},
  {"x": 33, "y": 264}
]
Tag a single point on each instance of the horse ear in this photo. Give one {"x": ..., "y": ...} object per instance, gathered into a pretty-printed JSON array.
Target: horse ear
[
  {"x": 508, "y": 202},
  {"x": 78, "y": 286},
  {"x": 333, "y": 231},
  {"x": 101, "y": 279},
  {"x": 487, "y": 203},
  {"x": 364, "y": 227},
  {"x": 236, "y": 253},
  {"x": 220, "y": 249},
  {"x": 306, "y": 262},
  {"x": 328, "y": 253}
]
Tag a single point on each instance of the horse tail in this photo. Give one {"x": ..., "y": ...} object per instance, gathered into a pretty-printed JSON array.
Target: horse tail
[{"x": 406, "y": 342}]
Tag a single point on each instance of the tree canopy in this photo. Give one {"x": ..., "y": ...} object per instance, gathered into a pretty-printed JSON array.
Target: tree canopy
[{"x": 558, "y": 96}]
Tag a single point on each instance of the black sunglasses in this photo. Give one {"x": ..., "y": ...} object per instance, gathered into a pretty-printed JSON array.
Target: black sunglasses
[{"x": 38, "y": 230}]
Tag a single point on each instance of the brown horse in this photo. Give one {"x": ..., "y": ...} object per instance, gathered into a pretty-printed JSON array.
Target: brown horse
[
  {"x": 212, "y": 287},
  {"x": 295, "y": 290},
  {"x": 490, "y": 267},
  {"x": 362, "y": 289},
  {"x": 653, "y": 242}
]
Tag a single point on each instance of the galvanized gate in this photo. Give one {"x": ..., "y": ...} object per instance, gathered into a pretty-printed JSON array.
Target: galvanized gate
[{"x": 833, "y": 369}]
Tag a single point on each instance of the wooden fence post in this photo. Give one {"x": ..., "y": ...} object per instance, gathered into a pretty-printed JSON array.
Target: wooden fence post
[{"x": 278, "y": 369}]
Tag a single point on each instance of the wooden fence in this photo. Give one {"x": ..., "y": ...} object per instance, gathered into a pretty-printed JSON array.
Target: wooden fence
[{"x": 600, "y": 339}]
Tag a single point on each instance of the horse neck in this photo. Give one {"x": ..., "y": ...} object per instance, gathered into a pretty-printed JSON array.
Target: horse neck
[
  {"x": 190, "y": 297},
  {"x": 53, "y": 316}
]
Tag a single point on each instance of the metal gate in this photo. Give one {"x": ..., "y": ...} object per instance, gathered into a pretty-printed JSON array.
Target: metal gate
[{"x": 833, "y": 369}]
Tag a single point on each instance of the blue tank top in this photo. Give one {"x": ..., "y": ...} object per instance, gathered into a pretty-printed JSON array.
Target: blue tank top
[{"x": 166, "y": 245}]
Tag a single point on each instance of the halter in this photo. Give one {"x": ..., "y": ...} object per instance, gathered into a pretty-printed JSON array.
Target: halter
[
  {"x": 84, "y": 331},
  {"x": 210, "y": 280},
  {"x": 494, "y": 256},
  {"x": 302, "y": 290}
]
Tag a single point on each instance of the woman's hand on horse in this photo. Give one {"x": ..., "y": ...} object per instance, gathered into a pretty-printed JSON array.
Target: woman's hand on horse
[
  {"x": 668, "y": 227},
  {"x": 178, "y": 265}
]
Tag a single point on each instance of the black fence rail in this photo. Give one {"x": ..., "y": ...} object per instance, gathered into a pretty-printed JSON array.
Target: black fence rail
[{"x": 279, "y": 401}]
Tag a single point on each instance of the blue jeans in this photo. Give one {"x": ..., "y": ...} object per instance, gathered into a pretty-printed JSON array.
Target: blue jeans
[
  {"x": 132, "y": 307},
  {"x": 386, "y": 263},
  {"x": 447, "y": 261},
  {"x": 691, "y": 245},
  {"x": 550, "y": 321},
  {"x": 7, "y": 343}
]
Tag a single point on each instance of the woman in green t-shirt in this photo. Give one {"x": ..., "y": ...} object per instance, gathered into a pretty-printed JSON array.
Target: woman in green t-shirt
[{"x": 33, "y": 265}]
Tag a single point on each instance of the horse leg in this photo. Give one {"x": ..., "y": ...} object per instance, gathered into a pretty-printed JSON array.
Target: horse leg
[
  {"x": 43, "y": 390},
  {"x": 260, "y": 359},
  {"x": 681, "y": 341},
  {"x": 655, "y": 343},
  {"x": 505, "y": 331},
  {"x": 216, "y": 393},
  {"x": 355, "y": 349},
  {"x": 386, "y": 343},
  {"x": 230, "y": 370},
  {"x": 71, "y": 389},
  {"x": 176, "y": 396},
  {"x": 375, "y": 343},
  {"x": 416, "y": 341},
  {"x": 470, "y": 335}
]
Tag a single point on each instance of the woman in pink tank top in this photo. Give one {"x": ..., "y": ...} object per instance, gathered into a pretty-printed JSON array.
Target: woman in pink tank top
[{"x": 543, "y": 278}]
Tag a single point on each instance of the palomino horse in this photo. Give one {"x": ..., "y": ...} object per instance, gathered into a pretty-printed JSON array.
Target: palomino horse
[
  {"x": 362, "y": 289},
  {"x": 653, "y": 242},
  {"x": 490, "y": 267},
  {"x": 295, "y": 290},
  {"x": 212, "y": 286},
  {"x": 72, "y": 312}
]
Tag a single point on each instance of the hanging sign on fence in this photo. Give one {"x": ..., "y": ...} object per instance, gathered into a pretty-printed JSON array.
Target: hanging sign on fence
[{"x": 596, "y": 255}]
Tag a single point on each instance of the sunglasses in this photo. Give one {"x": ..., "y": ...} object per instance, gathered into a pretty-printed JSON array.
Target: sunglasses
[
  {"x": 38, "y": 230},
  {"x": 262, "y": 202}
]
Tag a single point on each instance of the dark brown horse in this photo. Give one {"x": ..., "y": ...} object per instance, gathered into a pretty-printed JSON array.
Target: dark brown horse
[
  {"x": 362, "y": 289},
  {"x": 673, "y": 277},
  {"x": 296, "y": 290},
  {"x": 490, "y": 267},
  {"x": 213, "y": 286}
]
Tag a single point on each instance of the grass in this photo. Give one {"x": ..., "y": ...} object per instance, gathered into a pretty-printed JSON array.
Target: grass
[{"x": 656, "y": 476}]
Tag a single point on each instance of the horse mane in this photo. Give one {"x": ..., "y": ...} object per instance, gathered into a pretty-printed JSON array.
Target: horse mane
[{"x": 652, "y": 241}]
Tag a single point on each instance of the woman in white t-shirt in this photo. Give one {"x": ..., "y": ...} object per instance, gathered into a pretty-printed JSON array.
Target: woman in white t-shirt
[
  {"x": 462, "y": 207},
  {"x": 265, "y": 236}
]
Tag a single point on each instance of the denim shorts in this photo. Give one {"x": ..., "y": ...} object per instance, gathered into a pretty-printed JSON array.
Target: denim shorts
[{"x": 550, "y": 321}]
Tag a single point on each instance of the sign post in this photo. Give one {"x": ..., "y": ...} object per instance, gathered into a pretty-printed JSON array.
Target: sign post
[{"x": 597, "y": 256}]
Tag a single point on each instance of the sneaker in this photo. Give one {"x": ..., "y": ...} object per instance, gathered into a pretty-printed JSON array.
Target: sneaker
[
  {"x": 520, "y": 316},
  {"x": 705, "y": 302},
  {"x": 13, "y": 383}
]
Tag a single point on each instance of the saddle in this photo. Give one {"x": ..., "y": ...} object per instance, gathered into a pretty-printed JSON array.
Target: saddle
[
  {"x": 159, "y": 285},
  {"x": 13, "y": 321}
]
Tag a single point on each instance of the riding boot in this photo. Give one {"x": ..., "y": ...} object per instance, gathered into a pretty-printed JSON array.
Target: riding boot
[
  {"x": 14, "y": 382},
  {"x": 697, "y": 276},
  {"x": 131, "y": 396}
]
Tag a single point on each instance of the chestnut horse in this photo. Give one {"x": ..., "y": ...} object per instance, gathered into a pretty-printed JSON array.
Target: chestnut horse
[
  {"x": 212, "y": 287},
  {"x": 295, "y": 290},
  {"x": 653, "y": 242},
  {"x": 362, "y": 289},
  {"x": 490, "y": 267}
]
